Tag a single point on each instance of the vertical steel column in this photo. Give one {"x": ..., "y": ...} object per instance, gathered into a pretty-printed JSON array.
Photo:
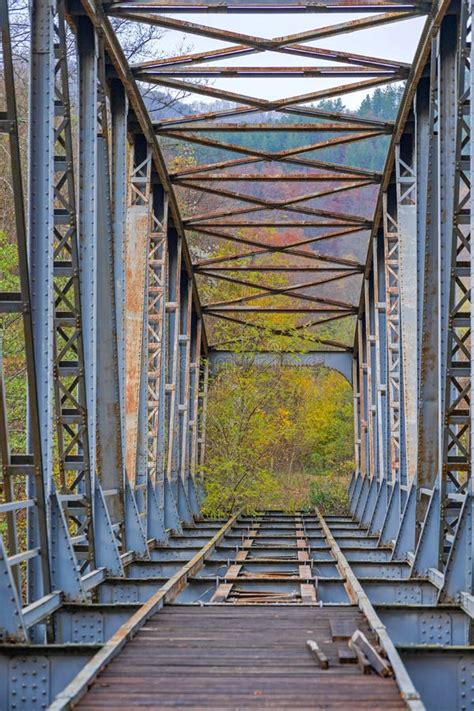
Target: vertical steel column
[
  {"x": 428, "y": 314},
  {"x": 373, "y": 473},
  {"x": 358, "y": 502},
  {"x": 448, "y": 262},
  {"x": 357, "y": 475},
  {"x": 88, "y": 110},
  {"x": 370, "y": 370},
  {"x": 172, "y": 310},
  {"x": 380, "y": 352},
  {"x": 121, "y": 505},
  {"x": 119, "y": 117},
  {"x": 192, "y": 435},
  {"x": 182, "y": 385},
  {"x": 397, "y": 465},
  {"x": 40, "y": 250},
  {"x": 29, "y": 465},
  {"x": 361, "y": 426},
  {"x": 157, "y": 286},
  {"x": 381, "y": 504},
  {"x": 456, "y": 444},
  {"x": 136, "y": 266},
  {"x": 392, "y": 285},
  {"x": 185, "y": 374},
  {"x": 405, "y": 168},
  {"x": 97, "y": 281},
  {"x": 69, "y": 383},
  {"x": 152, "y": 392},
  {"x": 459, "y": 569}
]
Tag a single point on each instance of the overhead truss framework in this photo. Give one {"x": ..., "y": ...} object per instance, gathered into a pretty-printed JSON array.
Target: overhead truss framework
[
  {"x": 242, "y": 214},
  {"x": 113, "y": 331}
]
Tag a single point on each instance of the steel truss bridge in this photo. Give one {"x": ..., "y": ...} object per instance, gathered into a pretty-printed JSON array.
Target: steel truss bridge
[{"x": 103, "y": 554}]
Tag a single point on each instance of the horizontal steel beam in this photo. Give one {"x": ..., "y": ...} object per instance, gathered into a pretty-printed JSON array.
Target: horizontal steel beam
[
  {"x": 335, "y": 360},
  {"x": 272, "y": 6},
  {"x": 272, "y": 127},
  {"x": 275, "y": 178},
  {"x": 270, "y": 72},
  {"x": 276, "y": 310}
]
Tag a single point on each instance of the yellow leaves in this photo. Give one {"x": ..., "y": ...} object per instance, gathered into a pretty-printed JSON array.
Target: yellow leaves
[{"x": 272, "y": 432}]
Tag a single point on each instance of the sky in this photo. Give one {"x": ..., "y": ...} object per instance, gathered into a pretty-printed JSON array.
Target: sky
[{"x": 395, "y": 41}]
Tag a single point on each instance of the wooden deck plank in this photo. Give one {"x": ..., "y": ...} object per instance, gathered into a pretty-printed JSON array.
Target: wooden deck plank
[{"x": 237, "y": 657}]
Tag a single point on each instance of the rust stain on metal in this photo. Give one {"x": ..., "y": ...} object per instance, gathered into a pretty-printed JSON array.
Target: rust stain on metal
[{"x": 135, "y": 266}]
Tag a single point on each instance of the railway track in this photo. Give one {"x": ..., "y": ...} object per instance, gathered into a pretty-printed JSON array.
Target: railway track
[{"x": 230, "y": 628}]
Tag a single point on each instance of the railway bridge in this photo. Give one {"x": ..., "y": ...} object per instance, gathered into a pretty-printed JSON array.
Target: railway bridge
[{"x": 115, "y": 592}]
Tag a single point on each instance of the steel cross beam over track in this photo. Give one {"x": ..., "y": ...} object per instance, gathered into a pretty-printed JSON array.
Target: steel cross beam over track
[{"x": 101, "y": 490}]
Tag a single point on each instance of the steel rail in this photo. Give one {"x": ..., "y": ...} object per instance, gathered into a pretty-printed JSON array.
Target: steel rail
[
  {"x": 357, "y": 594},
  {"x": 86, "y": 677}
]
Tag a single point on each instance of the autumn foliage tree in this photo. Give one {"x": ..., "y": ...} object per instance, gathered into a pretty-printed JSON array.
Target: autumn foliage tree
[{"x": 278, "y": 437}]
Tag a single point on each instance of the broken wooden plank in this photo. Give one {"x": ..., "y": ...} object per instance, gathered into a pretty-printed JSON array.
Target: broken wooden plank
[
  {"x": 341, "y": 630},
  {"x": 315, "y": 650},
  {"x": 346, "y": 656},
  {"x": 360, "y": 643},
  {"x": 363, "y": 662}
]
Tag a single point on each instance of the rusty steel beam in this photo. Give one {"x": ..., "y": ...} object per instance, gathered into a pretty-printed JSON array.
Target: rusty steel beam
[
  {"x": 267, "y": 72},
  {"x": 345, "y": 220},
  {"x": 286, "y": 291},
  {"x": 336, "y": 345},
  {"x": 302, "y": 224},
  {"x": 279, "y": 310},
  {"x": 323, "y": 165},
  {"x": 297, "y": 49},
  {"x": 266, "y": 104},
  {"x": 345, "y": 271},
  {"x": 307, "y": 111},
  {"x": 272, "y": 127},
  {"x": 275, "y": 178},
  {"x": 271, "y": 6},
  {"x": 287, "y": 205},
  {"x": 269, "y": 155},
  {"x": 276, "y": 291},
  {"x": 287, "y": 332},
  {"x": 268, "y": 248}
]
